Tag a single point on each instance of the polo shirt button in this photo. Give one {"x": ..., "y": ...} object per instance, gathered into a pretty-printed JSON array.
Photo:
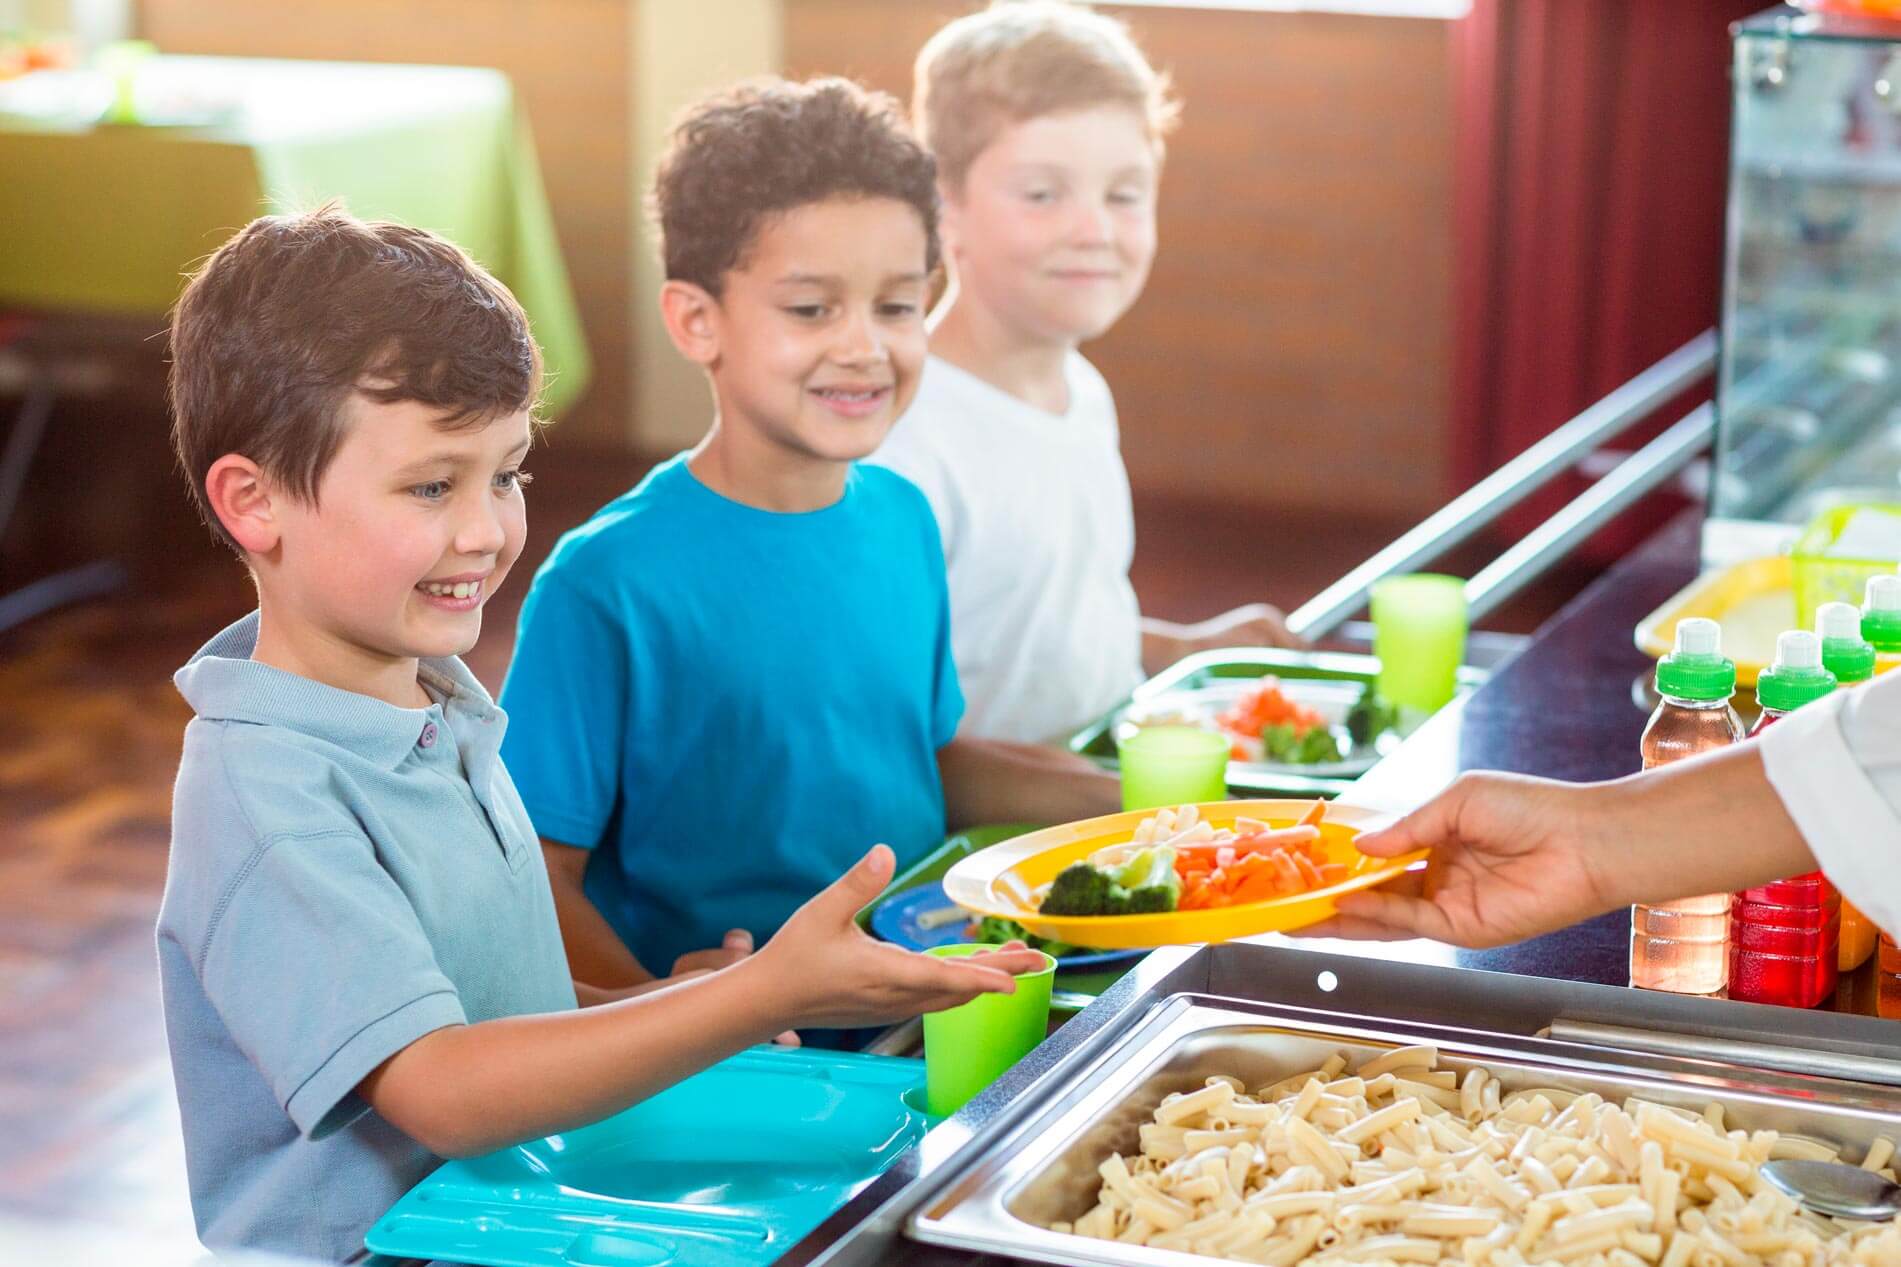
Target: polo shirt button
[{"x": 428, "y": 739}]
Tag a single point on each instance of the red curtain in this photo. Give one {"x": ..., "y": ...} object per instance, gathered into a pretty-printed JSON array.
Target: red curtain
[{"x": 1592, "y": 141}]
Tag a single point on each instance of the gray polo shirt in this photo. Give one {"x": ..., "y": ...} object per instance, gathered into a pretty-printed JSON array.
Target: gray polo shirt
[{"x": 346, "y": 876}]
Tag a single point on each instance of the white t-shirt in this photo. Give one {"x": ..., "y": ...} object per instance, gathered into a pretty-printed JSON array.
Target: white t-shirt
[
  {"x": 1038, "y": 535},
  {"x": 1837, "y": 766}
]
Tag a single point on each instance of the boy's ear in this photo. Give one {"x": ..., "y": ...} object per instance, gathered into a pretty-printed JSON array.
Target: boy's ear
[
  {"x": 241, "y": 498},
  {"x": 692, "y": 319}
]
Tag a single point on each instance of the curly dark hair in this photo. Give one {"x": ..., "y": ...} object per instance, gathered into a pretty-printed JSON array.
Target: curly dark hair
[
  {"x": 297, "y": 312},
  {"x": 771, "y": 146}
]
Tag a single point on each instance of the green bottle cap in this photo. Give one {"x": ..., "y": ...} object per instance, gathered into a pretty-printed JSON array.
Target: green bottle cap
[
  {"x": 1696, "y": 669},
  {"x": 1797, "y": 676},
  {"x": 1845, "y": 653},
  {"x": 1881, "y": 613}
]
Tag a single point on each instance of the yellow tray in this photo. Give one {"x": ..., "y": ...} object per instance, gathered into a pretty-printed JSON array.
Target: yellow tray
[
  {"x": 976, "y": 883},
  {"x": 1753, "y": 601}
]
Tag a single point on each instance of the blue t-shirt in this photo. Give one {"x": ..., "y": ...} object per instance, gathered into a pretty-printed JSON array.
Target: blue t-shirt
[{"x": 730, "y": 705}]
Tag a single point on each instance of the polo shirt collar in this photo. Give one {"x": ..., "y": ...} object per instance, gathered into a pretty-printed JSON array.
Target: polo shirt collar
[{"x": 222, "y": 683}]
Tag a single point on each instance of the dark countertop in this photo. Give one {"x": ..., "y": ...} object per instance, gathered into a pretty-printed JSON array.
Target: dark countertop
[{"x": 1572, "y": 705}]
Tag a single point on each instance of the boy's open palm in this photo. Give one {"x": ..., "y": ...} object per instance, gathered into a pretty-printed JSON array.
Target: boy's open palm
[
  {"x": 1511, "y": 858},
  {"x": 841, "y": 977}
]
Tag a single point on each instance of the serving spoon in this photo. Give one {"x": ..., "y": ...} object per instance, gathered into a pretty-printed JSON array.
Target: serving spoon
[{"x": 1828, "y": 1187}]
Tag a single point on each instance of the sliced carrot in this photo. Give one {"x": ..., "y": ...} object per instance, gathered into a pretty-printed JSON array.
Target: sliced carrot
[
  {"x": 1315, "y": 816},
  {"x": 1258, "y": 887}
]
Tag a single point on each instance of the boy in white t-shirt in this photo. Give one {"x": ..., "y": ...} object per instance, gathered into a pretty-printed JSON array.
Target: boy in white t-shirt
[{"x": 1048, "y": 127}]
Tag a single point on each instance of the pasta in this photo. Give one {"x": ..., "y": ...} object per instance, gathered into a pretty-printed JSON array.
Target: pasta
[{"x": 1399, "y": 1162}]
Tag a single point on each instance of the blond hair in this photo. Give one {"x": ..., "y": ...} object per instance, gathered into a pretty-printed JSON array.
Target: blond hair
[{"x": 1021, "y": 59}]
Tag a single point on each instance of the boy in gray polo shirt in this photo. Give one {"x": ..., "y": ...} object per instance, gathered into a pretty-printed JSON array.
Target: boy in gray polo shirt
[{"x": 361, "y": 963}]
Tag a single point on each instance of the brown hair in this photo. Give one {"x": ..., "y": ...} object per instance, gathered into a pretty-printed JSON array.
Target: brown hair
[
  {"x": 294, "y": 314},
  {"x": 1021, "y": 59},
  {"x": 771, "y": 146}
]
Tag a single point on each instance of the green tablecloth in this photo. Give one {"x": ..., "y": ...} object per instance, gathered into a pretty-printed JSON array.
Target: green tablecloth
[{"x": 101, "y": 219}]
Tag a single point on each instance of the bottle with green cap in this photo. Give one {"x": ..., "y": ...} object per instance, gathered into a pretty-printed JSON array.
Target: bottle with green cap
[
  {"x": 1785, "y": 937},
  {"x": 1845, "y": 652},
  {"x": 1851, "y": 658},
  {"x": 1683, "y": 946},
  {"x": 1881, "y": 619}
]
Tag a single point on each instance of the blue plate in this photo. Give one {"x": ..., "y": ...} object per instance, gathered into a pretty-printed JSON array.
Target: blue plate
[
  {"x": 896, "y": 920},
  {"x": 726, "y": 1169}
]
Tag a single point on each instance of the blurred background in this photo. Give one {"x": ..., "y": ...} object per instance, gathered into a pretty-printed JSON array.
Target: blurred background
[{"x": 1400, "y": 241}]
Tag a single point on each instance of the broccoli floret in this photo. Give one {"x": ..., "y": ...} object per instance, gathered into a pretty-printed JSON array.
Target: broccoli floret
[
  {"x": 1150, "y": 882},
  {"x": 1318, "y": 745},
  {"x": 1145, "y": 884},
  {"x": 1080, "y": 889},
  {"x": 1370, "y": 717},
  {"x": 1287, "y": 744},
  {"x": 1153, "y": 899}
]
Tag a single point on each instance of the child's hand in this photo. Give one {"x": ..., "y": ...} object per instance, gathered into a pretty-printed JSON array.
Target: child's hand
[
  {"x": 736, "y": 946},
  {"x": 830, "y": 973},
  {"x": 1255, "y": 625},
  {"x": 1512, "y": 857}
]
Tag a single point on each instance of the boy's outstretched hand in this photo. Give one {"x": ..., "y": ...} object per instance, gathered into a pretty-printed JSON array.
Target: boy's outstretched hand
[
  {"x": 832, "y": 974},
  {"x": 1512, "y": 857}
]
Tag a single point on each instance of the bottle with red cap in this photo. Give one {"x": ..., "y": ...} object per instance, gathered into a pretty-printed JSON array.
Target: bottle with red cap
[{"x": 1784, "y": 937}]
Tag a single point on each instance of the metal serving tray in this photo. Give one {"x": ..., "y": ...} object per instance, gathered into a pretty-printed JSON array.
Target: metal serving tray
[
  {"x": 1004, "y": 1204},
  {"x": 1018, "y": 1149}
]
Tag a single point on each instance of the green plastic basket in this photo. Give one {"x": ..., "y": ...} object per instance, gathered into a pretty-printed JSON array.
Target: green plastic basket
[{"x": 1820, "y": 577}]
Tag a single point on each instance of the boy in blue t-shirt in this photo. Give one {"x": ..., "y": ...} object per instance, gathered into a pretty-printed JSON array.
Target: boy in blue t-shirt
[{"x": 737, "y": 675}]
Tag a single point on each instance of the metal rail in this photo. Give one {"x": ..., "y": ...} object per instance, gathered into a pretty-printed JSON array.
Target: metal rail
[
  {"x": 1557, "y": 536},
  {"x": 1524, "y": 475}
]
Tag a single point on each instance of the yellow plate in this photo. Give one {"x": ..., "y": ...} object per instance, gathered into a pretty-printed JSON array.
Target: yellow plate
[
  {"x": 977, "y": 883},
  {"x": 1753, "y": 601}
]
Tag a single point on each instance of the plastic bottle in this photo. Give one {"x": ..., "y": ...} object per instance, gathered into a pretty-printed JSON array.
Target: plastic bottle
[
  {"x": 1881, "y": 620},
  {"x": 1683, "y": 946},
  {"x": 1784, "y": 937},
  {"x": 1851, "y": 658}
]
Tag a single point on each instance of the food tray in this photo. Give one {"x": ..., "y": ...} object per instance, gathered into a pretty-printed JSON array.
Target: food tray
[
  {"x": 727, "y": 1168},
  {"x": 1199, "y": 705},
  {"x": 1207, "y": 669},
  {"x": 1753, "y": 601},
  {"x": 1002, "y": 1202},
  {"x": 987, "y": 882}
]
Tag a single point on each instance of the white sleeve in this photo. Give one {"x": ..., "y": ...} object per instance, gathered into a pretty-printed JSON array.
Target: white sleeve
[{"x": 1836, "y": 764}]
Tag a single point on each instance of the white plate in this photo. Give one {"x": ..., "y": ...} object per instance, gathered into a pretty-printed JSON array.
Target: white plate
[{"x": 1199, "y": 707}]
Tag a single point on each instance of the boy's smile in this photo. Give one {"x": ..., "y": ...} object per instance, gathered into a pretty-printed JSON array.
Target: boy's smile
[
  {"x": 814, "y": 347},
  {"x": 1053, "y": 227}
]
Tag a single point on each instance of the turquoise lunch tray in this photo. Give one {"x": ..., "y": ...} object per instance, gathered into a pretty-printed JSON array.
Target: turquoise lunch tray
[{"x": 730, "y": 1167}]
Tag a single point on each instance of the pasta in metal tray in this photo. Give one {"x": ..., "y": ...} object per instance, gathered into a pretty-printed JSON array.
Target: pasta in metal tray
[{"x": 1401, "y": 1162}]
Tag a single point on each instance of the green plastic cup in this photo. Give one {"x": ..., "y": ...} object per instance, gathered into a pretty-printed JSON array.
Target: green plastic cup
[
  {"x": 969, "y": 1047},
  {"x": 1172, "y": 765},
  {"x": 1419, "y": 636}
]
